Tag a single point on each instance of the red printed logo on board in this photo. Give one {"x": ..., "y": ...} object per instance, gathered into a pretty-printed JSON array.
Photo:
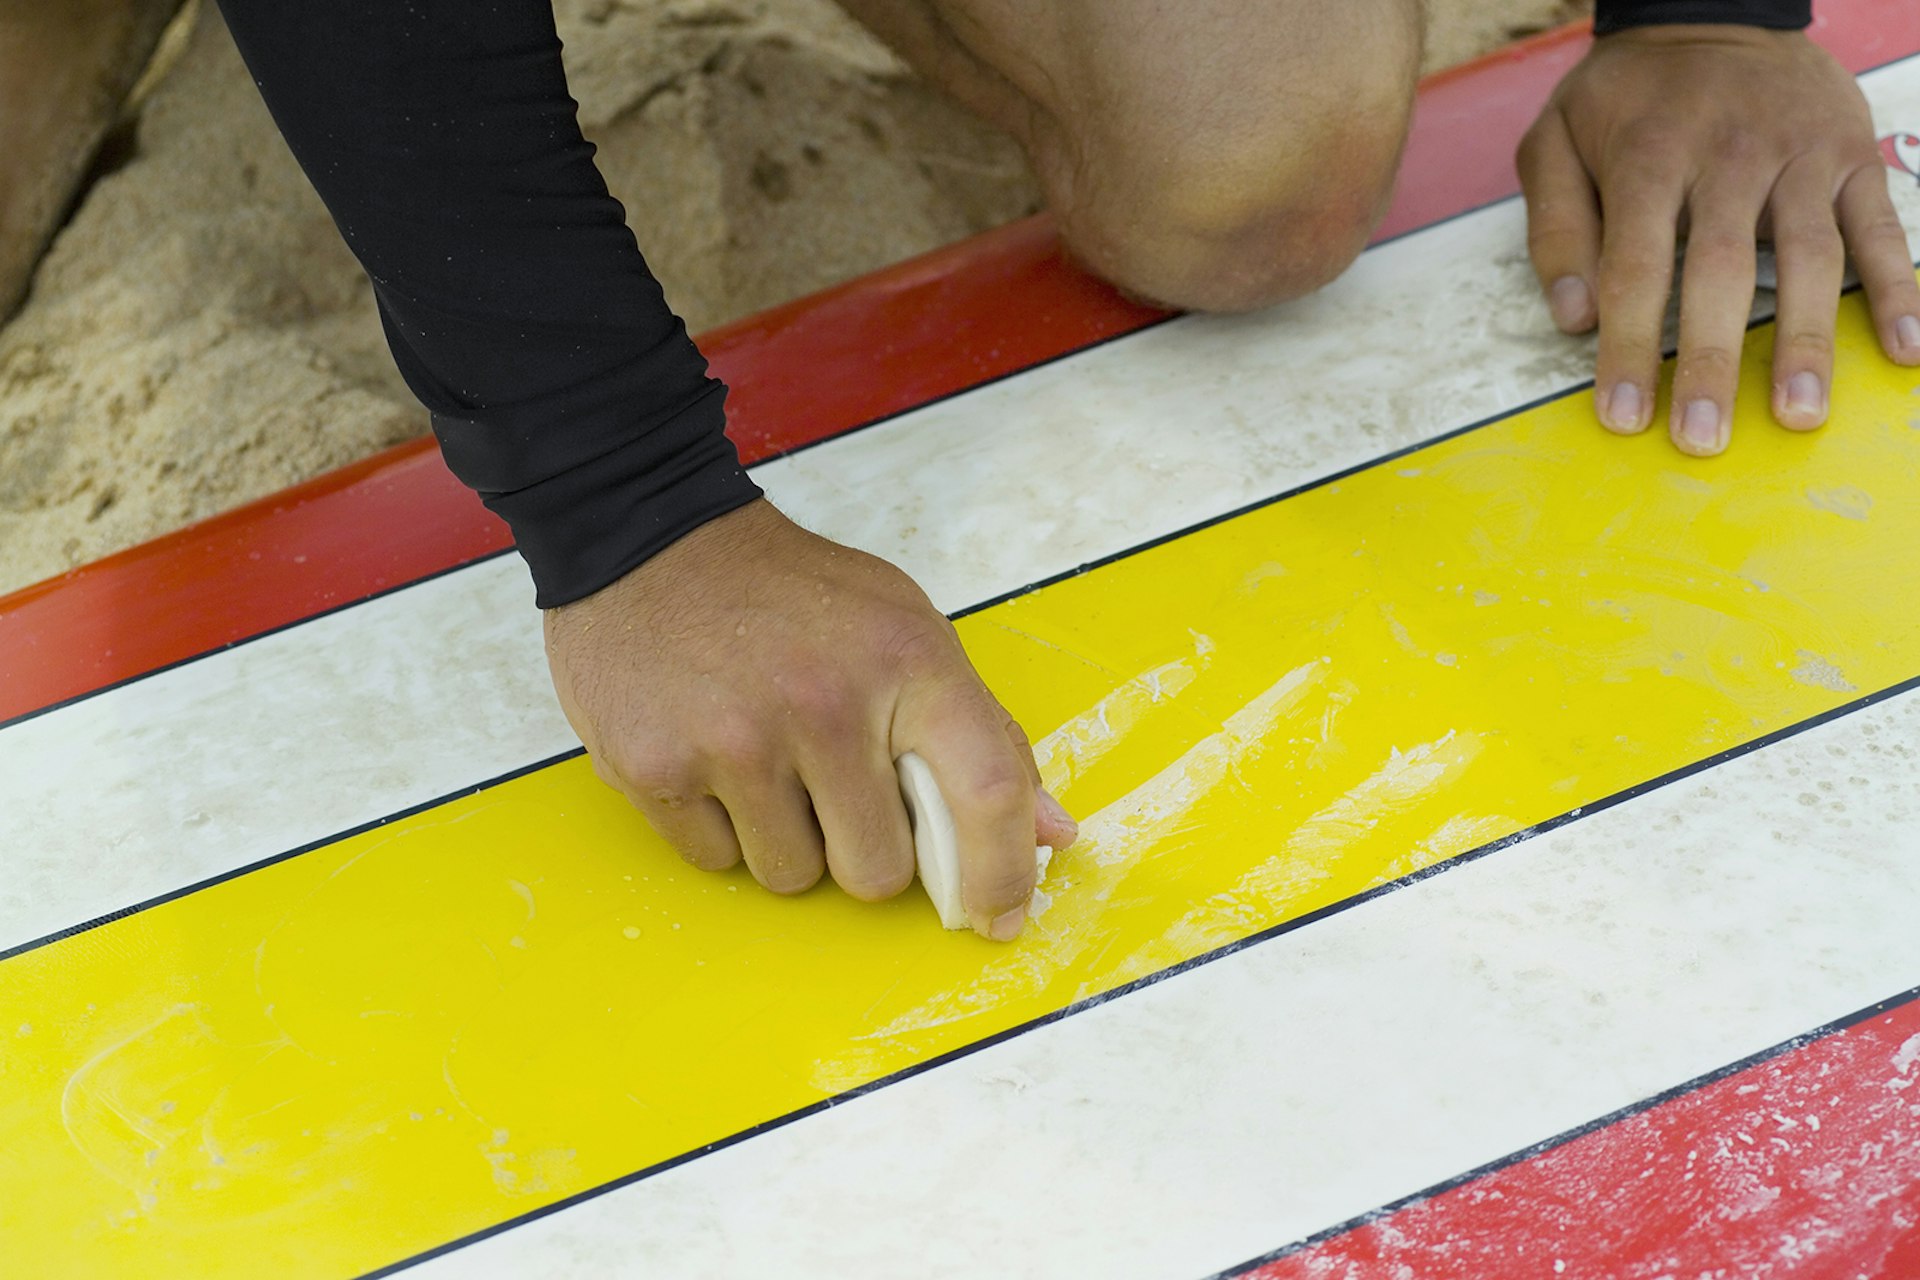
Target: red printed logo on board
[{"x": 1902, "y": 152}]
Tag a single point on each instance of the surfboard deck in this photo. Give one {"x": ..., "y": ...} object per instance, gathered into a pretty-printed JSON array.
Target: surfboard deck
[{"x": 1500, "y": 840}]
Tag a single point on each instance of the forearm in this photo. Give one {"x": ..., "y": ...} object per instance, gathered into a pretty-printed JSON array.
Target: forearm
[{"x": 562, "y": 388}]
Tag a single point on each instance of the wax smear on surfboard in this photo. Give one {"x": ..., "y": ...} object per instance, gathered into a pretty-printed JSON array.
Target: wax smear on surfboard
[{"x": 935, "y": 846}]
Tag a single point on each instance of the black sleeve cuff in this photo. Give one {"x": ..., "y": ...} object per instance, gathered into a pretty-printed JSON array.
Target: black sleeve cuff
[
  {"x": 590, "y": 525},
  {"x": 1780, "y": 15},
  {"x": 564, "y": 391}
]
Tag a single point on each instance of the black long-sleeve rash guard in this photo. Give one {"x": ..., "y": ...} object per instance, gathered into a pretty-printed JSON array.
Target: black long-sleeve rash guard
[
  {"x": 1781, "y": 15},
  {"x": 442, "y": 138}
]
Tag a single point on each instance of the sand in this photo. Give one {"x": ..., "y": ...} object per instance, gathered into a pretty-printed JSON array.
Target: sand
[{"x": 198, "y": 336}]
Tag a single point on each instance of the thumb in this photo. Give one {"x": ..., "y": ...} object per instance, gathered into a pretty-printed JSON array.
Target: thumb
[
  {"x": 1053, "y": 826},
  {"x": 959, "y": 730}
]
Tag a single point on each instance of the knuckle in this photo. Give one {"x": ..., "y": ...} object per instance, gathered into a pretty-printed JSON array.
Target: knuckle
[
  {"x": 917, "y": 646},
  {"x": 1882, "y": 228},
  {"x": 647, "y": 768},
  {"x": 875, "y": 875},
  {"x": 1720, "y": 247},
  {"x": 668, "y": 795},
  {"x": 1858, "y": 154},
  {"x": 707, "y": 857},
  {"x": 1633, "y": 177},
  {"x": 823, "y": 696},
  {"x": 1705, "y": 362},
  {"x": 1533, "y": 144},
  {"x": 1810, "y": 345},
  {"x": 787, "y": 875},
  {"x": 738, "y": 746},
  {"x": 1741, "y": 145},
  {"x": 999, "y": 790},
  {"x": 1649, "y": 150},
  {"x": 1808, "y": 235},
  {"x": 1640, "y": 137},
  {"x": 1628, "y": 288},
  {"x": 1553, "y": 234},
  {"x": 1634, "y": 264}
]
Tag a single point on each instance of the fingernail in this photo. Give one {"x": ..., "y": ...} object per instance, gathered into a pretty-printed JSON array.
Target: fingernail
[
  {"x": 1623, "y": 407},
  {"x": 1053, "y": 811},
  {"x": 1907, "y": 329},
  {"x": 1701, "y": 428},
  {"x": 1007, "y": 927},
  {"x": 1569, "y": 301},
  {"x": 1806, "y": 396}
]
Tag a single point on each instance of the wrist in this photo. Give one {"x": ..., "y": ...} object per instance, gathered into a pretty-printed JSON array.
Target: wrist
[{"x": 726, "y": 538}]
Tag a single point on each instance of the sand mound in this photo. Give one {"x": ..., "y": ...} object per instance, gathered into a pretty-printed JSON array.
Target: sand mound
[{"x": 199, "y": 336}]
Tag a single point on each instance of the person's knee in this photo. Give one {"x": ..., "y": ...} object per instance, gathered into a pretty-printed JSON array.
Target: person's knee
[
  {"x": 1236, "y": 227},
  {"x": 1216, "y": 155}
]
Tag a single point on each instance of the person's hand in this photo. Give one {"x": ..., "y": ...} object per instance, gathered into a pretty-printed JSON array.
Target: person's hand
[
  {"x": 749, "y": 689},
  {"x": 1731, "y": 133}
]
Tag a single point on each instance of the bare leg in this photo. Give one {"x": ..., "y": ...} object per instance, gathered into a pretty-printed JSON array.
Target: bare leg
[
  {"x": 1216, "y": 154},
  {"x": 65, "y": 68}
]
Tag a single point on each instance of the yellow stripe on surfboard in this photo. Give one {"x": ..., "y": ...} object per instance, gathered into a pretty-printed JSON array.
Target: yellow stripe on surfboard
[{"x": 375, "y": 1047}]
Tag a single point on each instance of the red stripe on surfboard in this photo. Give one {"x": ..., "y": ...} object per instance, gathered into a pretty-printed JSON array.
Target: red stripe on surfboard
[
  {"x": 917, "y": 331},
  {"x": 1806, "y": 1165}
]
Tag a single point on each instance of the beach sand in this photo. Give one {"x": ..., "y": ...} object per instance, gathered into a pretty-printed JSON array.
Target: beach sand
[{"x": 198, "y": 336}]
